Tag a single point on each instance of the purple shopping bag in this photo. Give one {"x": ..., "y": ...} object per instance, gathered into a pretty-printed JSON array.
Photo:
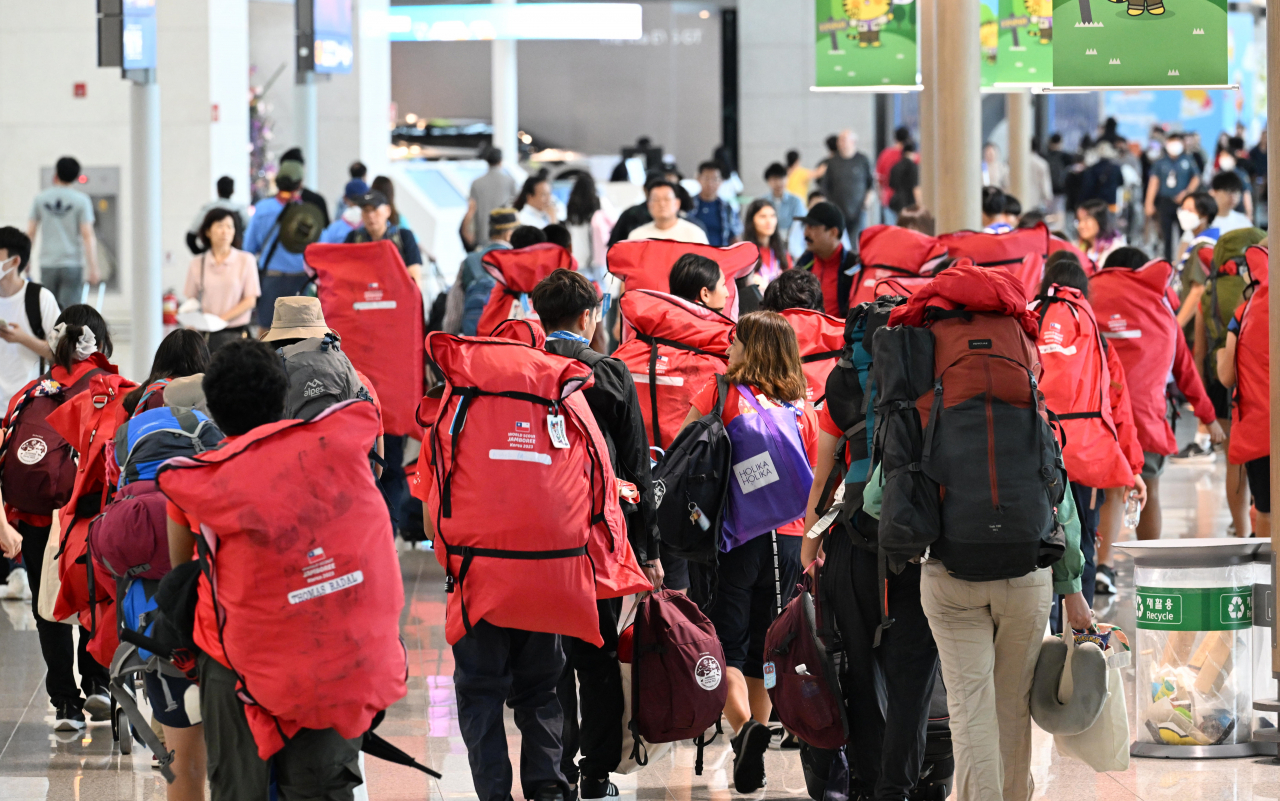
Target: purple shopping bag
[{"x": 771, "y": 473}]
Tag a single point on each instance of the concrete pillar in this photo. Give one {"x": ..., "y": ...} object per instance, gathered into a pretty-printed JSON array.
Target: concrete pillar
[
  {"x": 373, "y": 59},
  {"x": 148, "y": 247},
  {"x": 926, "y": 28},
  {"x": 1021, "y": 122},
  {"x": 307, "y": 107},
  {"x": 228, "y": 88},
  {"x": 958, "y": 151},
  {"x": 506, "y": 116},
  {"x": 1273, "y": 224}
]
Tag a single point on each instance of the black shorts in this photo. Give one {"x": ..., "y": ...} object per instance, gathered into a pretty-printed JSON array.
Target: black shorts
[
  {"x": 1259, "y": 473},
  {"x": 749, "y": 595},
  {"x": 1221, "y": 398},
  {"x": 182, "y": 695}
]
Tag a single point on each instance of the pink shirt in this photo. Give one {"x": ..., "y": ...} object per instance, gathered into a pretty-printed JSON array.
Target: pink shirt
[{"x": 224, "y": 284}]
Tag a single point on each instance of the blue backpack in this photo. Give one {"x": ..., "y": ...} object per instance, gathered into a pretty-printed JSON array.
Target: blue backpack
[
  {"x": 477, "y": 285},
  {"x": 148, "y": 440}
]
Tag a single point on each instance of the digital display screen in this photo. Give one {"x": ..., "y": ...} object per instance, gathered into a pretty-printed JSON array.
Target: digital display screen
[
  {"x": 139, "y": 34},
  {"x": 333, "y": 50},
  {"x": 481, "y": 22}
]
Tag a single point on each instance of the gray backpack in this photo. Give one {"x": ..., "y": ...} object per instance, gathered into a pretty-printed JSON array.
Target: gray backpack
[{"x": 320, "y": 375}]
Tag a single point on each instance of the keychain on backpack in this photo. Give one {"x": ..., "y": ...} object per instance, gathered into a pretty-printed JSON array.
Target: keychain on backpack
[
  {"x": 770, "y": 676},
  {"x": 696, "y": 516}
]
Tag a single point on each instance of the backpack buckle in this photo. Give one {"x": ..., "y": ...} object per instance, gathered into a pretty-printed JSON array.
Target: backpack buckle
[{"x": 99, "y": 401}]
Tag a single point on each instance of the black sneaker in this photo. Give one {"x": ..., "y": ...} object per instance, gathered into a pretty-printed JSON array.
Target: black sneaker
[
  {"x": 98, "y": 705},
  {"x": 596, "y": 789},
  {"x": 550, "y": 792},
  {"x": 1105, "y": 582},
  {"x": 1194, "y": 453},
  {"x": 749, "y": 746},
  {"x": 68, "y": 718}
]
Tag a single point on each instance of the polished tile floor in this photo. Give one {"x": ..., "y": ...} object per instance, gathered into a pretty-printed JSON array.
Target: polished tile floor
[{"x": 37, "y": 764}]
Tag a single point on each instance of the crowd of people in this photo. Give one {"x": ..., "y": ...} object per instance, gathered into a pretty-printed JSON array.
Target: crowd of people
[{"x": 746, "y": 330}]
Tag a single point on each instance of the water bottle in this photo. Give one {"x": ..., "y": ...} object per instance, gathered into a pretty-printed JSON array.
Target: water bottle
[{"x": 1132, "y": 510}]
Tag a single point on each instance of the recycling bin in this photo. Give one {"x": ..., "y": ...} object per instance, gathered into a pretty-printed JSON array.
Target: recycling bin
[
  {"x": 1194, "y": 645},
  {"x": 1265, "y": 733}
]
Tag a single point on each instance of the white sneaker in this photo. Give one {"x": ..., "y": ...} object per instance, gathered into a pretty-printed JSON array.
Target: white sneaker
[
  {"x": 17, "y": 588},
  {"x": 98, "y": 705}
]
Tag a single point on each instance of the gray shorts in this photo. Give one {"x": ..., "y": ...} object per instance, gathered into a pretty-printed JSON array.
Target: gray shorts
[{"x": 1152, "y": 464}]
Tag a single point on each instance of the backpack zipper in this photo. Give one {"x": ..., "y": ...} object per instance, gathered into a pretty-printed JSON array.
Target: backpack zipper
[{"x": 991, "y": 439}]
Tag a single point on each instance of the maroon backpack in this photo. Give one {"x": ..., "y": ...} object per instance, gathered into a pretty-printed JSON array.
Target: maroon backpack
[
  {"x": 130, "y": 538},
  {"x": 37, "y": 467},
  {"x": 801, "y": 675},
  {"x": 677, "y": 673}
]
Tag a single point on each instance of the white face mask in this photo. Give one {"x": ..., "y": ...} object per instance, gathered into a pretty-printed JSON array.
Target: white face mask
[
  {"x": 352, "y": 216},
  {"x": 1189, "y": 220},
  {"x": 1174, "y": 149},
  {"x": 1226, "y": 163},
  {"x": 7, "y": 266}
]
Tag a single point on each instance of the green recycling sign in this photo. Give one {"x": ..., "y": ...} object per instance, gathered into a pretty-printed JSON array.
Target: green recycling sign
[{"x": 1194, "y": 609}]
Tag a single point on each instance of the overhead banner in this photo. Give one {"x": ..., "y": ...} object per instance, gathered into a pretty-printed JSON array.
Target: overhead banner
[
  {"x": 1026, "y": 44},
  {"x": 1139, "y": 43},
  {"x": 866, "y": 45}
]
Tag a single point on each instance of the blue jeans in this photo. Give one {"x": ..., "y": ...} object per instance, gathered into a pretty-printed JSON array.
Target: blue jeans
[{"x": 66, "y": 283}]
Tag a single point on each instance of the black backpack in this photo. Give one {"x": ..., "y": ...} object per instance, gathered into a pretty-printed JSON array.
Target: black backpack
[{"x": 691, "y": 485}]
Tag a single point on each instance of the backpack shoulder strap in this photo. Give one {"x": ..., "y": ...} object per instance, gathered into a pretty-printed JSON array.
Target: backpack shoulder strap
[
  {"x": 34, "y": 318},
  {"x": 722, "y": 391}
]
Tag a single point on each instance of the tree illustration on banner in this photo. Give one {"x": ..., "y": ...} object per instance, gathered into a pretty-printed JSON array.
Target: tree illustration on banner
[
  {"x": 1139, "y": 42},
  {"x": 865, "y": 43},
  {"x": 1025, "y": 47}
]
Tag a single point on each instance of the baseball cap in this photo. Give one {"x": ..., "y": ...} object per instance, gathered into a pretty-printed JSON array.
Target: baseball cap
[
  {"x": 355, "y": 190},
  {"x": 824, "y": 214},
  {"x": 503, "y": 219},
  {"x": 374, "y": 198},
  {"x": 291, "y": 170}
]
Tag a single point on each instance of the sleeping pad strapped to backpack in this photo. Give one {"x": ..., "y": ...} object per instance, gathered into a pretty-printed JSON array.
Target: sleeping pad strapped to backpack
[
  {"x": 523, "y": 486},
  {"x": 517, "y": 272},
  {"x": 987, "y": 443},
  {"x": 303, "y": 574},
  {"x": 672, "y": 348},
  {"x": 1020, "y": 252},
  {"x": 821, "y": 339},
  {"x": 130, "y": 538},
  {"x": 369, "y": 296},
  {"x": 647, "y": 263},
  {"x": 898, "y": 258}
]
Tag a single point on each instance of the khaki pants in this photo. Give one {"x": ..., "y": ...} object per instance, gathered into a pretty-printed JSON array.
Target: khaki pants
[{"x": 988, "y": 635}]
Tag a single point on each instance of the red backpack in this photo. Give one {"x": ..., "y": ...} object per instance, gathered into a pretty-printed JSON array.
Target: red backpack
[
  {"x": 801, "y": 675},
  {"x": 821, "y": 339},
  {"x": 1251, "y": 411},
  {"x": 37, "y": 464},
  {"x": 558, "y": 526},
  {"x": 677, "y": 672},
  {"x": 369, "y": 297},
  {"x": 303, "y": 574},
  {"x": 672, "y": 348},
  {"x": 647, "y": 263},
  {"x": 898, "y": 257},
  {"x": 517, "y": 272},
  {"x": 1020, "y": 252}
]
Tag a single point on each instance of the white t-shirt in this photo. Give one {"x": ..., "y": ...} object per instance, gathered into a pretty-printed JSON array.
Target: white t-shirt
[
  {"x": 1231, "y": 221},
  {"x": 682, "y": 231},
  {"x": 18, "y": 365}
]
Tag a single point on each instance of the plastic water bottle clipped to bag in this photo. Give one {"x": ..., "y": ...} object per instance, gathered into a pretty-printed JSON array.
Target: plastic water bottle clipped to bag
[{"x": 1132, "y": 510}]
